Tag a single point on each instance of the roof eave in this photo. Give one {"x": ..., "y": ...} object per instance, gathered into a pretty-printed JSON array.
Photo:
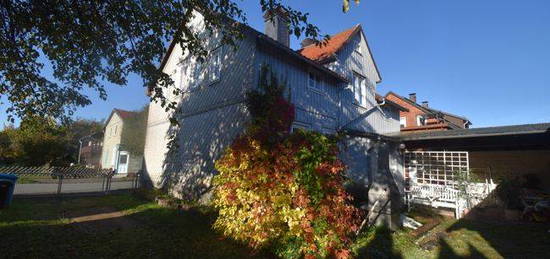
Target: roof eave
[{"x": 265, "y": 39}]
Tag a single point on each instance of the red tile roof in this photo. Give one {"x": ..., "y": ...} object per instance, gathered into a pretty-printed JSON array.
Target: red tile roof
[
  {"x": 335, "y": 43},
  {"x": 125, "y": 114}
]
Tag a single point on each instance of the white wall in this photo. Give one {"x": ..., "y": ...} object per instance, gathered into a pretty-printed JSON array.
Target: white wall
[{"x": 111, "y": 139}]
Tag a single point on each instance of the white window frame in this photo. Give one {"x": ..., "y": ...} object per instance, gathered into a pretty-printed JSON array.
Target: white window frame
[
  {"x": 357, "y": 48},
  {"x": 403, "y": 122},
  {"x": 359, "y": 89},
  {"x": 418, "y": 117},
  {"x": 208, "y": 72},
  {"x": 214, "y": 65}
]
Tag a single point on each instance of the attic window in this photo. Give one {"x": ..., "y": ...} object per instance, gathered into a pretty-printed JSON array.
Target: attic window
[
  {"x": 359, "y": 89},
  {"x": 357, "y": 49},
  {"x": 420, "y": 120}
]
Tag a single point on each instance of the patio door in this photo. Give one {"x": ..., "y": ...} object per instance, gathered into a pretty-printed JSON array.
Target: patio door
[{"x": 123, "y": 159}]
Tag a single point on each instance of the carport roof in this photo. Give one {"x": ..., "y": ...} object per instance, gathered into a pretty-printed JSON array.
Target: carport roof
[{"x": 477, "y": 132}]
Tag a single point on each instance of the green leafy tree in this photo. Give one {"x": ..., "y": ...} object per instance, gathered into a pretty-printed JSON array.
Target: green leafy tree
[
  {"x": 90, "y": 42},
  {"x": 40, "y": 141}
]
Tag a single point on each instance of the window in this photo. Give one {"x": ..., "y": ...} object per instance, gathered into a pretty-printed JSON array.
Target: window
[
  {"x": 359, "y": 89},
  {"x": 357, "y": 49},
  {"x": 420, "y": 120},
  {"x": 314, "y": 82},
  {"x": 184, "y": 72},
  {"x": 116, "y": 128},
  {"x": 215, "y": 65},
  {"x": 403, "y": 122},
  {"x": 196, "y": 75}
]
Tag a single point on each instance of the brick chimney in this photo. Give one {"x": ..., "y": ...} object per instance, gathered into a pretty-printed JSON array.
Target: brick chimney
[
  {"x": 307, "y": 41},
  {"x": 412, "y": 97},
  {"x": 425, "y": 104},
  {"x": 276, "y": 25}
]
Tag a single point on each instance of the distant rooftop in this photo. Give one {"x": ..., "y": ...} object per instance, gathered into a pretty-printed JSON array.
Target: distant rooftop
[{"x": 477, "y": 132}]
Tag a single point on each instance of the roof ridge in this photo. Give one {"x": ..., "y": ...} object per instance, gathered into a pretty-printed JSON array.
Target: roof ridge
[{"x": 429, "y": 109}]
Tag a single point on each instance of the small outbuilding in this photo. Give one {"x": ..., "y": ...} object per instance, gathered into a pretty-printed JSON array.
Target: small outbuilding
[{"x": 493, "y": 152}]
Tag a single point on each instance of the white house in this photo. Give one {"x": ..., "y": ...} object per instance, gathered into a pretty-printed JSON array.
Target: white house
[
  {"x": 114, "y": 155},
  {"x": 332, "y": 87}
]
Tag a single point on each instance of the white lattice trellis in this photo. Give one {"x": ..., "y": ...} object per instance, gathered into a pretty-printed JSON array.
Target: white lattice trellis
[{"x": 435, "y": 167}]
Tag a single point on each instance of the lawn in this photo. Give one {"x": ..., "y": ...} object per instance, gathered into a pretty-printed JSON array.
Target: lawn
[
  {"x": 459, "y": 239},
  {"x": 124, "y": 226}
]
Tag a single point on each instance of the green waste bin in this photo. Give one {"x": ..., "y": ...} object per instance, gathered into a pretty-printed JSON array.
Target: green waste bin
[{"x": 7, "y": 186}]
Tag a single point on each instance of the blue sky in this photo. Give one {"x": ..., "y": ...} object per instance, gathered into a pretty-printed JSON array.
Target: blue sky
[{"x": 487, "y": 60}]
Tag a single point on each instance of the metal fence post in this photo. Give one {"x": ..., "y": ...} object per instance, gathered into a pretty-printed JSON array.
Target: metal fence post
[
  {"x": 136, "y": 180},
  {"x": 108, "y": 187},
  {"x": 60, "y": 183},
  {"x": 103, "y": 187}
]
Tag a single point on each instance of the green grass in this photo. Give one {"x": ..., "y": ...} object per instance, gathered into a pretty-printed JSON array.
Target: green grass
[
  {"x": 40, "y": 228},
  {"x": 459, "y": 239},
  {"x": 34, "y": 179},
  {"x": 476, "y": 239}
]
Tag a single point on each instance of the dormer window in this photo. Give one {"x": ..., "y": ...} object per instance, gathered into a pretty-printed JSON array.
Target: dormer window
[
  {"x": 403, "y": 122},
  {"x": 420, "y": 120}
]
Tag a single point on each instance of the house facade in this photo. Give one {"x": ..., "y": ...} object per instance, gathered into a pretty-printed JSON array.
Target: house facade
[
  {"x": 114, "y": 154},
  {"x": 421, "y": 117},
  {"x": 90, "y": 148},
  {"x": 333, "y": 88}
]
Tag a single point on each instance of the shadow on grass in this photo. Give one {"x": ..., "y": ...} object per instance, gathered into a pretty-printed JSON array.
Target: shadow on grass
[
  {"x": 379, "y": 243},
  {"x": 445, "y": 251},
  {"x": 143, "y": 231},
  {"x": 483, "y": 239}
]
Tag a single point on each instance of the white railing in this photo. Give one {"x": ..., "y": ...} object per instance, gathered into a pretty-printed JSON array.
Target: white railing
[{"x": 447, "y": 196}]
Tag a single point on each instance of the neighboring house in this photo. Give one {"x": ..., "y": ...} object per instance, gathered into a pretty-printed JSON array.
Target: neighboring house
[
  {"x": 333, "y": 88},
  {"x": 421, "y": 117},
  {"x": 114, "y": 153},
  {"x": 90, "y": 150}
]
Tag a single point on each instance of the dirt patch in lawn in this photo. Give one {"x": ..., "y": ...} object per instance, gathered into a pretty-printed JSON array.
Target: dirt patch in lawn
[{"x": 101, "y": 219}]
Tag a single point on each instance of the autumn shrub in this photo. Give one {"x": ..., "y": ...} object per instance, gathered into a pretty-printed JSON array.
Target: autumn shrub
[{"x": 283, "y": 190}]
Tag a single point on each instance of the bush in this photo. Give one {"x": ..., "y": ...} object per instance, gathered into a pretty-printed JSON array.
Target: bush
[
  {"x": 509, "y": 192},
  {"x": 284, "y": 190}
]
